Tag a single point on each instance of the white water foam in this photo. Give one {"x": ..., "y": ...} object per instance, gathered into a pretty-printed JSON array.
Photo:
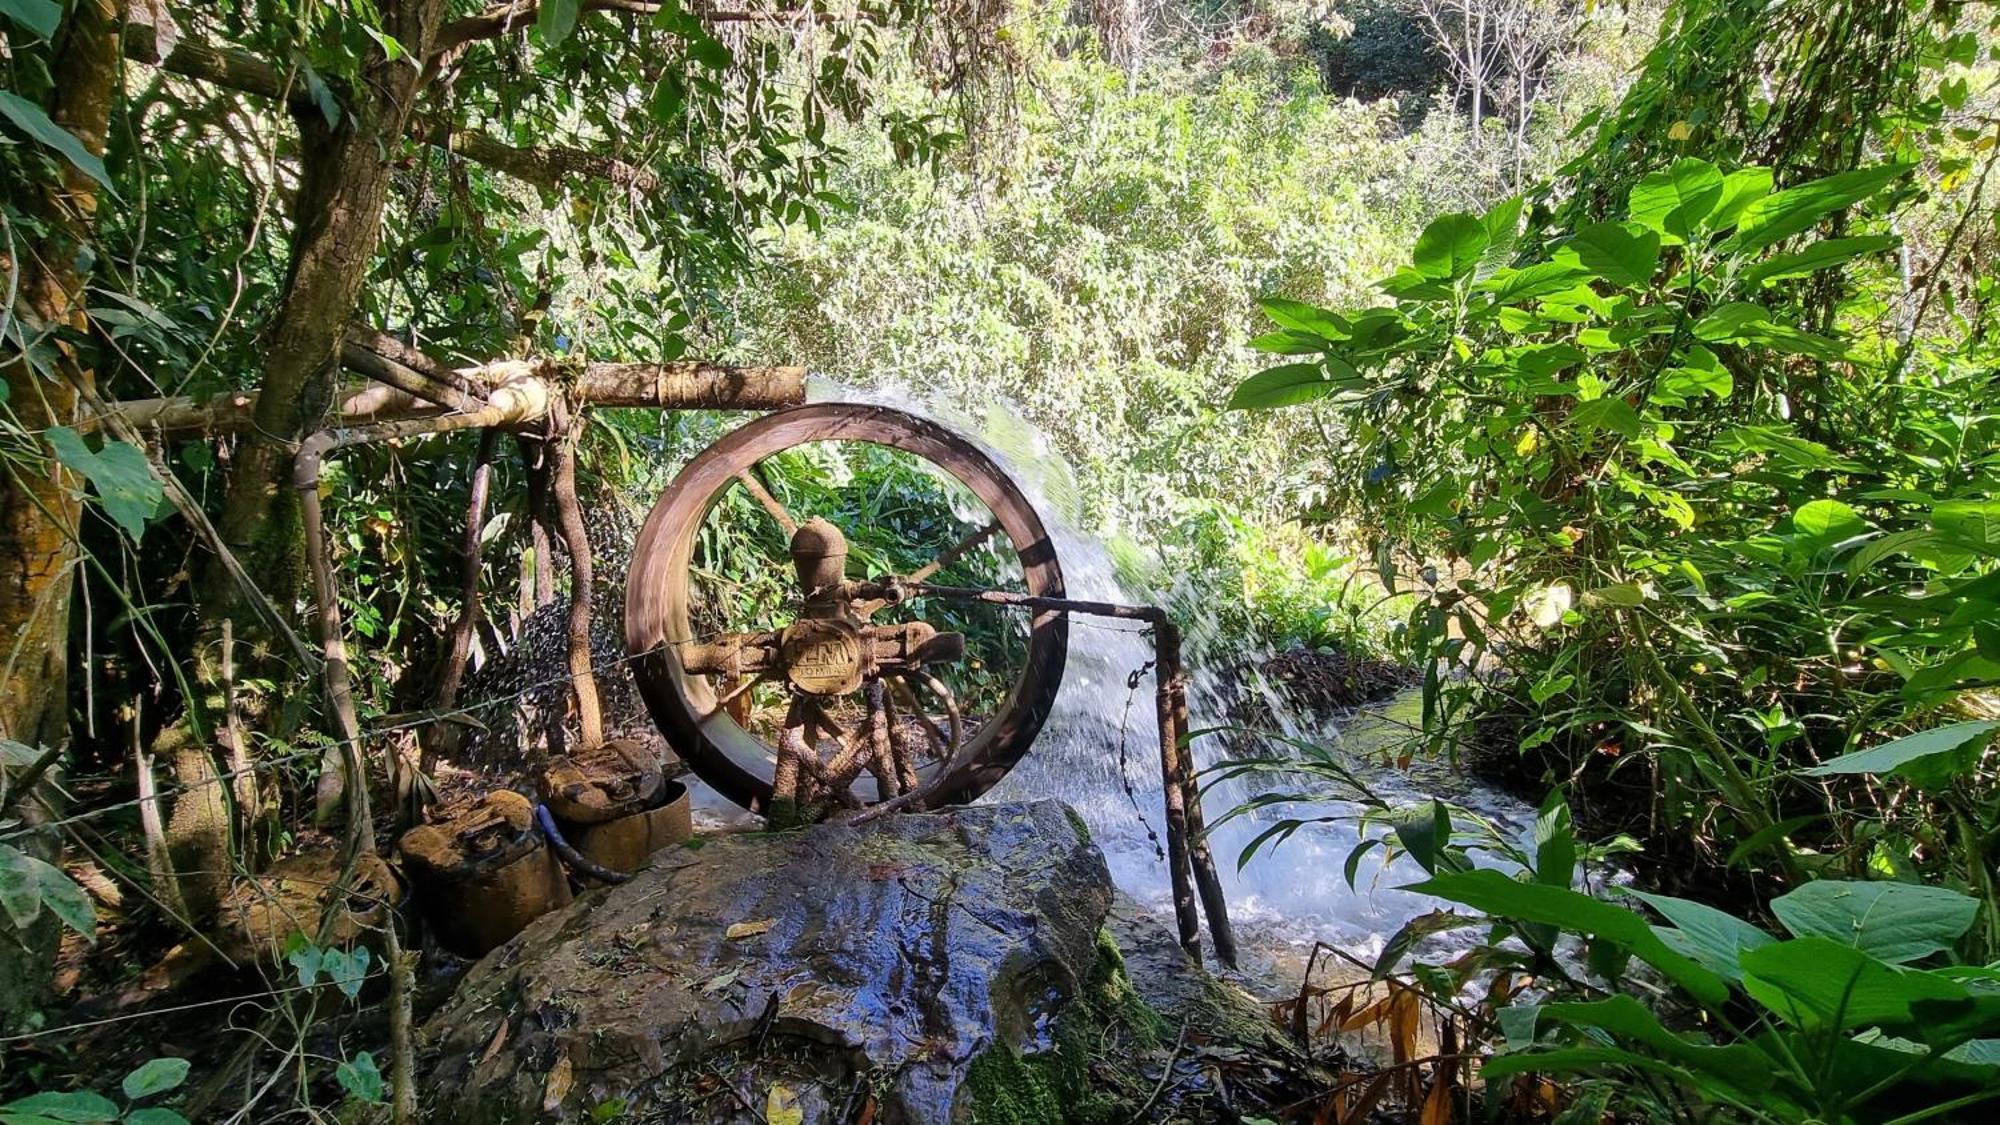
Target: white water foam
[{"x": 1291, "y": 896}]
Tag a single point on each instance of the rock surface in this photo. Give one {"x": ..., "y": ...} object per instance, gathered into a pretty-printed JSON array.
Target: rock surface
[{"x": 813, "y": 970}]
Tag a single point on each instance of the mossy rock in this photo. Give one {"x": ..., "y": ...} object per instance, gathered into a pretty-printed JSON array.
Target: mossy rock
[{"x": 823, "y": 967}]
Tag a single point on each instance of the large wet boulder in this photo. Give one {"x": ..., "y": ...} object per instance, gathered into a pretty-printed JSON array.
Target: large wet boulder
[{"x": 944, "y": 966}]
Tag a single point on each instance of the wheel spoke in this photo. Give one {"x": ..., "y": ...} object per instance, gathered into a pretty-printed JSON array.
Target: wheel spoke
[
  {"x": 952, "y": 554},
  {"x": 956, "y": 552},
  {"x": 947, "y": 744},
  {"x": 770, "y": 503}
]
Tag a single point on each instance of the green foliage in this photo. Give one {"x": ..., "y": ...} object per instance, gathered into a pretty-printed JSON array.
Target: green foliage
[
  {"x": 29, "y": 885},
  {"x": 28, "y": 117},
  {"x": 125, "y": 484},
  {"x": 1834, "y": 1022},
  {"x": 1684, "y": 524},
  {"x": 149, "y": 1079},
  {"x": 360, "y": 1078},
  {"x": 1098, "y": 279}
]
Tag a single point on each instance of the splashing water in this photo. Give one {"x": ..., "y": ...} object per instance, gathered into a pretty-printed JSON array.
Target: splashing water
[{"x": 1285, "y": 898}]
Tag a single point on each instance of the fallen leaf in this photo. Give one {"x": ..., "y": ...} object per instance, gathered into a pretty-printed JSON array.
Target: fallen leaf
[
  {"x": 749, "y": 929},
  {"x": 498, "y": 1041},
  {"x": 781, "y": 1107},
  {"x": 719, "y": 982}
]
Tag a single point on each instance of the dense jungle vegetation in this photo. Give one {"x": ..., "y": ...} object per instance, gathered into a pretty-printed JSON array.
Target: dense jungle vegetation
[{"x": 1626, "y": 370}]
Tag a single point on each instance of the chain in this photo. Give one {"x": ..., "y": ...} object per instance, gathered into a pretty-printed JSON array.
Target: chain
[{"x": 1124, "y": 778}]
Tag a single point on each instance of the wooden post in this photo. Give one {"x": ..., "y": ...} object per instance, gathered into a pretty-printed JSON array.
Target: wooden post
[
  {"x": 1173, "y": 768},
  {"x": 1173, "y": 687}
]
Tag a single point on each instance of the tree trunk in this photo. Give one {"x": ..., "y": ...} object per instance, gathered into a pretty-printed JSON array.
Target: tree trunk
[
  {"x": 344, "y": 179},
  {"x": 344, "y": 173},
  {"x": 39, "y": 507}
]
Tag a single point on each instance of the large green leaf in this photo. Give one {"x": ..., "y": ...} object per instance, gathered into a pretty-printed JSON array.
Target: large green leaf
[
  {"x": 39, "y": 16},
  {"x": 1972, "y": 524},
  {"x": 124, "y": 481},
  {"x": 1301, "y": 317},
  {"x": 1895, "y": 922},
  {"x": 1425, "y": 833},
  {"x": 360, "y": 1077},
  {"x": 1824, "y": 254},
  {"x": 1620, "y": 253},
  {"x": 555, "y": 19},
  {"x": 1739, "y": 1065},
  {"x": 28, "y": 884},
  {"x": 1450, "y": 247},
  {"x": 155, "y": 1076},
  {"x": 1503, "y": 232},
  {"x": 1892, "y": 756},
  {"x": 1503, "y": 897},
  {"x": 1607, "y": 413},
  {"x": 29, "y": 118},
  {"x": 1288, "y": 385},
  {"x": 1674, "y": 202},
  {"x": 1555, "y": 842},
  {"x": 1575, "y": 1060},
  {"x": 1824, "y": 523},
  {"x": 1817, "y": 982},
  {"x": 1779, "y": 216},
  {"x": 1288, "y": 341},
  {"x": 1538, "y": 280},
  {"x": 1744, "y": 322},
  {"x": 1710, "y": 936},
  {"x": 1740, "y": 189},
  {"x": 76, "y": 1105}
]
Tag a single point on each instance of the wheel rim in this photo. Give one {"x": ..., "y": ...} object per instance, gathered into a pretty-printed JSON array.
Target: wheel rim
[{"x": 738, "y": 763}]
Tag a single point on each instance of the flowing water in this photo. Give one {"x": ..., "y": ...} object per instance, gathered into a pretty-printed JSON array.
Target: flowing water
[{"x": 1284, "y": 899}]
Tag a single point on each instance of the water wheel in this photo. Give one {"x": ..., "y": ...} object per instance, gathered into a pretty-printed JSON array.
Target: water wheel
[{"x": 857, "y": 709}]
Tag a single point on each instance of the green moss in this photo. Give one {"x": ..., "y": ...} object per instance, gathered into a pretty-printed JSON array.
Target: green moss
[
  {"x": 1006, "y": 1087},
  {"x": 1076, "y": 819}
]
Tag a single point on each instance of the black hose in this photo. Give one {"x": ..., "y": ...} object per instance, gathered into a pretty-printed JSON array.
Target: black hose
[{"x": 574, "y": 860}]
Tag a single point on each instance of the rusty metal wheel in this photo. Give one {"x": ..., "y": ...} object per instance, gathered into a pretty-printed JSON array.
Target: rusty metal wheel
[{"x": 832, "y": 651}]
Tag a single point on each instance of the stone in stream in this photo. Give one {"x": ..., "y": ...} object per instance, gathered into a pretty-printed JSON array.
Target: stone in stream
[{"x": 951, "y": 966}]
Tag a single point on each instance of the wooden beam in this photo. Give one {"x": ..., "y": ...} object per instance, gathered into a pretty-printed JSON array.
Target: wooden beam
[{"x": 685, "y": 385}]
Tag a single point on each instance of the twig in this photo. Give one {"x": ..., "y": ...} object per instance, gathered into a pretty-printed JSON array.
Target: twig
[{"x": 1165, "y": 1075}]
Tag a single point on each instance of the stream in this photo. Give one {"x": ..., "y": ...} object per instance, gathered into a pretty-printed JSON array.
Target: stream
[{"x": 1285, "y": 899}]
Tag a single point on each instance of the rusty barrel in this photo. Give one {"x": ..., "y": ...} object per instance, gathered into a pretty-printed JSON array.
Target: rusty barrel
[
  {"x": 262, "y": 913},
  {"x": 615, "y": 804},
  {"x": 483, "y": 873}
]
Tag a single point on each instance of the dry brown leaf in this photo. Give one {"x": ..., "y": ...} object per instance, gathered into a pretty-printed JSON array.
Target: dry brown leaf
[
  {"x": 743, "y": 930},
  {"x": 494, "y": 1044},
  {"x": 1437, "y": 1106}
]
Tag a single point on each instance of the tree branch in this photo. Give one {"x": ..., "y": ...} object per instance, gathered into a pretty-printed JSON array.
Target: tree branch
[
  {"x": 500, "y": 19},
  {"x": 685, "y": 385},
  {"x": 217, "y": 66},
  {"x": 242, "y": 71},
  {"x": 544, "y": 167}
]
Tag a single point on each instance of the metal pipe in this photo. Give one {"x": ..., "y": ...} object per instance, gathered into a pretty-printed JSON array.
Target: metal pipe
[{"x": 1189, "y": 863}]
